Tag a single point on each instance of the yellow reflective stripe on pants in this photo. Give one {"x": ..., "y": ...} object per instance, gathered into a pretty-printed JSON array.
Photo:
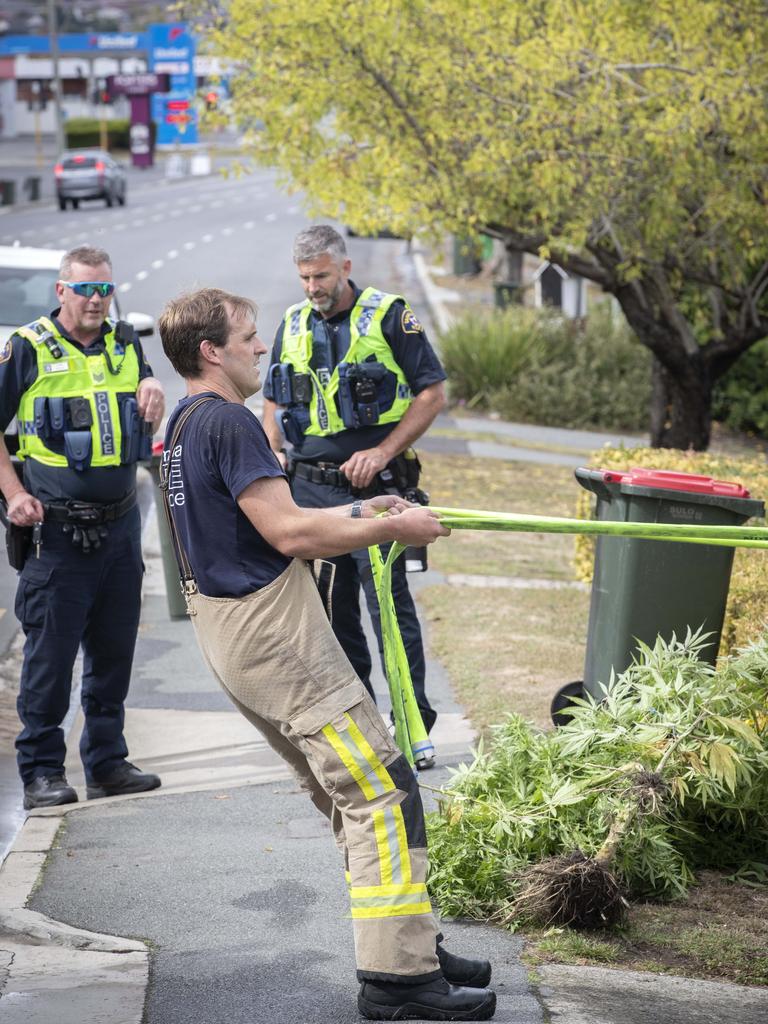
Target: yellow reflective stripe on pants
[
  {"x": 360, "y": 760},
  {"x": 371, "y": 901},
  {"x": 392, "y": 845}
]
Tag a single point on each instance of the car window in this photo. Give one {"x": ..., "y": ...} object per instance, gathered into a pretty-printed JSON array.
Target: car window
[
  {"x": 80, "y": 163},
  {"x": 26, "y": 294}
]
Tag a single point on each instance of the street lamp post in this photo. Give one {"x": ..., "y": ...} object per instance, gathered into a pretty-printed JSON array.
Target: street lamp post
[{"x": 57, "y": 108}]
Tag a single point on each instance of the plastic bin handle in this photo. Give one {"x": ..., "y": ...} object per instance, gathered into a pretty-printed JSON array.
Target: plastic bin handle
[{"x": 594, "y": 480}]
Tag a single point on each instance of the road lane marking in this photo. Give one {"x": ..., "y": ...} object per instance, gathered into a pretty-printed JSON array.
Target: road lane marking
[
  {"x": 125, "y": 286},
  {"x": 142, "y": 275},
  {"x": 172, "y": 254}
]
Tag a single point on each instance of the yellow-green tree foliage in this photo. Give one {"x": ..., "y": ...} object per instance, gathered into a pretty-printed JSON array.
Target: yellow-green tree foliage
[
  {"x": 746, "y": 614},
  {"x": 624, "y": 139}
]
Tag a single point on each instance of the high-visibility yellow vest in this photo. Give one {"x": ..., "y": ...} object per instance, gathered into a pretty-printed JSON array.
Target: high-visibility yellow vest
[
  {"x": 365, "y": 340},
  {"x": 75, "y": 375}
]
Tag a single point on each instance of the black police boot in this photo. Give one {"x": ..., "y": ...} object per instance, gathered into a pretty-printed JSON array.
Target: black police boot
[
  {"x": 126, "y": 778},
  {"x": 434, "y": 1000},
  {"x": 48, "y": 791},
  {"x": 458, "y": 970}
]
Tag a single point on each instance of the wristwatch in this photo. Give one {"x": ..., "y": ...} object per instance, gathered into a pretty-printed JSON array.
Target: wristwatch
[{"x": 356, "y": 509}]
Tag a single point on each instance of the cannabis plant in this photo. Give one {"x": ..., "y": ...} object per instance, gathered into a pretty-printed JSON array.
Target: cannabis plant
[{"x": 667, "y": 773}]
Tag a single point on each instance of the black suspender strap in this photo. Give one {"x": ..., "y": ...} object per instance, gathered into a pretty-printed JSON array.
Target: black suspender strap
[{"x": 186, "y": 575}]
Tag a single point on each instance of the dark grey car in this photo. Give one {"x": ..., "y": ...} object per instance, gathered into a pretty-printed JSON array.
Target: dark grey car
[{"x": 89, "y": 174}]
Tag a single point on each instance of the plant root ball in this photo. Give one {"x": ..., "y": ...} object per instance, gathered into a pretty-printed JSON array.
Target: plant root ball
[{"x": 570, "y": 890}]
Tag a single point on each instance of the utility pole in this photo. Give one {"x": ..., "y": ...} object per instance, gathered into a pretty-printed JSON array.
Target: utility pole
[{"x": 53, "y": 31}]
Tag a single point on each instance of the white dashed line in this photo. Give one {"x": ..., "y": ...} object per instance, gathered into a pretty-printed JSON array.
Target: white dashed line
[
  {"x": 125, "y": 286},
  {"x": 156, "y": 264},
  {"x": 293, "y": 210},
  {"x": 270, "y": 217},
  {"x": 189, "y": 245},
  {"x": 227, "y": 231},
  {"x": 249, "y": 224},
  {"x": 207, "y": 238},
  {"x": 142, "y": 275},
  {"x": 172, "y": 254}
]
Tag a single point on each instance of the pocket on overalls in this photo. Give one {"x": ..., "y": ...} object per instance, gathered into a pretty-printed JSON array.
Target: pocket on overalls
[{"x": 347, "y": 742}]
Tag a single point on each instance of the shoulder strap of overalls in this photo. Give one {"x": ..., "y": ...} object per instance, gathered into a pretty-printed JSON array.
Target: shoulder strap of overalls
[{"x": 186, "y": 575}]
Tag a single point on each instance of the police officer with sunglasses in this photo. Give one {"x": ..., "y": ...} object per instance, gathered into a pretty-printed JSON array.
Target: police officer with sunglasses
[{"x": 87, "y": 405}]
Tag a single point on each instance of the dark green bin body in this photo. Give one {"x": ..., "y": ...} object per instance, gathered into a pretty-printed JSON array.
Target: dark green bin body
[{"x": 644, "y": 588}]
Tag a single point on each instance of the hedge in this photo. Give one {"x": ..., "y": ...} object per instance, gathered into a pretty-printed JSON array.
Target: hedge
[
  {"x": 747, "y": 611},
  {"x": 533, "y": 366}
]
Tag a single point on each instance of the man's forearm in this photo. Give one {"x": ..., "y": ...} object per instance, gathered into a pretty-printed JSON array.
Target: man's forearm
[
  {"x": 271, "y": 429},
  {"x": 10, "y": 484},
  {"x": 417, "y": 420}
]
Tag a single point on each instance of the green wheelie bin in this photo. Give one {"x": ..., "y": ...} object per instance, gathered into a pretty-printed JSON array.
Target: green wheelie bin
[{"x": 644, "y": 588}]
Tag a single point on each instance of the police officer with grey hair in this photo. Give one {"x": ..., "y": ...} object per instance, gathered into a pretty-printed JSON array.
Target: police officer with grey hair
[
  {"x": 86, "y": 404},
  {"x": 353, "y": 383}
]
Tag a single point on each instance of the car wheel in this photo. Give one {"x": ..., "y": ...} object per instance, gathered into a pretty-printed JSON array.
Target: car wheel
[
  {"x": 75, "y": 204},
  {"x": 62, "y": 203},
  {"x": 121, "y": 198},
  {"x": 108, "y": 199}
]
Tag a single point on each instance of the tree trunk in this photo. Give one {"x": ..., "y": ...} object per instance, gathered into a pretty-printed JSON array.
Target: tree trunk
[{"x": 681, "y": 406}]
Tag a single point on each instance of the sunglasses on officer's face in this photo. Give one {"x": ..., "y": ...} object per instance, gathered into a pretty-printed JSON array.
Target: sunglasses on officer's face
[{"x": 87, "y": 289}]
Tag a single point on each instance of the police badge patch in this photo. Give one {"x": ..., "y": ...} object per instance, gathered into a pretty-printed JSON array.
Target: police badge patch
[
  {"x": 409, "y": 322},
  {"x": 5, "y": 350}
]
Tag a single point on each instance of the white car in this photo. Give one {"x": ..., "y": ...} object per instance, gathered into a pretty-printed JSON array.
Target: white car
[{"x": 28, "y": 290}]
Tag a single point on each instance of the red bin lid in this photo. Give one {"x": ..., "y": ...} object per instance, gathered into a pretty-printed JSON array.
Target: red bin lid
[{"x": 667, "y": 479}]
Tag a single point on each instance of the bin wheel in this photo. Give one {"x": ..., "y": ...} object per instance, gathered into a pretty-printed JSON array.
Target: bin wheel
[{"x": 563, "y": 700}]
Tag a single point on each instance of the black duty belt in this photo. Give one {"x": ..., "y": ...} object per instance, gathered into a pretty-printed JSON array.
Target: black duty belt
[
  {"x": 88, "y": 514},
  {"x": 321, "y": 473}
]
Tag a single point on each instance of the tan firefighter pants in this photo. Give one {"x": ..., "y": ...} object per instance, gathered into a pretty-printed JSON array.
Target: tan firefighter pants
[{"x": 275, "y": 655}]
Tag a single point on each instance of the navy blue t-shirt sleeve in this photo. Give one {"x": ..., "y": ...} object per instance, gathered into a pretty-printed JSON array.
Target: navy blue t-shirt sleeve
[
  {"x": 411, "y": 347},
  {"x": 240, "y": 450},
  {"x": 18, "y": 372},
  {"x": 277, "y": 348}
]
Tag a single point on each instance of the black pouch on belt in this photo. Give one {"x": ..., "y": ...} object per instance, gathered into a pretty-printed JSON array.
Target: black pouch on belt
[{"x": 17, "y": 539}]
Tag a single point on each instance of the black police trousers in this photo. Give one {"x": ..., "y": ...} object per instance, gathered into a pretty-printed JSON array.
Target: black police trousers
[
  {"x": 66, "y": 599},
  {"x": 352, "y": 572}
]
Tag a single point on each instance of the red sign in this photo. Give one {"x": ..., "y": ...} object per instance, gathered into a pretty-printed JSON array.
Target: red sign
[{"x": 177, "y": 104}]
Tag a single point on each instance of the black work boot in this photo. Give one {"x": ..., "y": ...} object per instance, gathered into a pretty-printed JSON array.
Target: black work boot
[
  {"x": 126, "y": 778},
  {"x": 48, "y": 791},
  {"x": 458, "y": 970},
  {"x": 433, "y": 1000}
]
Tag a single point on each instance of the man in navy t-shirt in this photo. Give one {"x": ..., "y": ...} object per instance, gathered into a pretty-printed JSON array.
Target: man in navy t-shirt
[{"x": 262, "y": 628}]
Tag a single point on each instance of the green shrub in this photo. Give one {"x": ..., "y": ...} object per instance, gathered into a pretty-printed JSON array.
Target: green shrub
[
  {"x": 530, "y": 366},
  {"x": 85, "y": 133},
  {"x": 740, "y": 398}
]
